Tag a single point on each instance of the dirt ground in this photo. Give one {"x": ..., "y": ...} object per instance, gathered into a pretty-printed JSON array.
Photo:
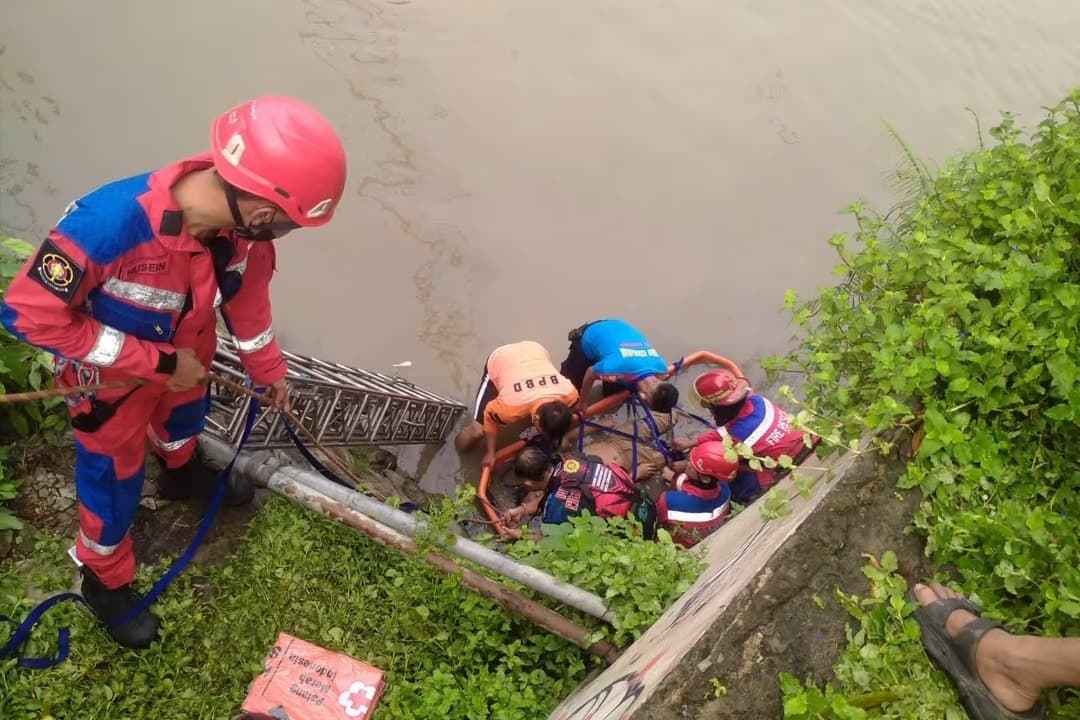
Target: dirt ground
[
  {"x": 775, "y": 625},
  {"x": 47, "y": 502}
]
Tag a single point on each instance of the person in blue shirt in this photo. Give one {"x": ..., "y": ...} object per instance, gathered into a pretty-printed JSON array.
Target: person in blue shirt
[{"x": 616, "y": 353}]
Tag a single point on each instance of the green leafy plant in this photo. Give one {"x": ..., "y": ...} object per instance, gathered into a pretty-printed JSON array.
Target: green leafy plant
[
  {"x": 8, "y": 491},
  {"x": 954, "y": 329},
  {"x": 884, "y": 672},
  {"x": 22, "y": 368},
  {"x": 808, "y": 702},
  {"x": 638, "y": 578},
  {"x": 447, "y": 652}
]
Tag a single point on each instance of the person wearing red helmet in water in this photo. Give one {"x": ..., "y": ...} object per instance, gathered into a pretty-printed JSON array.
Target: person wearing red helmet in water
[
  {"x": 128, "y": 285},
  {"x": 699, "y": 500},
  {"x": 746, "y": 417}
]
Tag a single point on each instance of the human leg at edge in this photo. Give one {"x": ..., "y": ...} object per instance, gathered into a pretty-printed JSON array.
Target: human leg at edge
[
  {"x": 177, "y": 420},
  {"x": 1016, "y": 669},
  {"x": 109, "y": 473}
]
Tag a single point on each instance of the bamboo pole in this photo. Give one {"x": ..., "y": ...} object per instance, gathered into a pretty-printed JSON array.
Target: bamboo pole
[
  {"x": 56, "y": 392},
  {"x": 541, "y": 616}
]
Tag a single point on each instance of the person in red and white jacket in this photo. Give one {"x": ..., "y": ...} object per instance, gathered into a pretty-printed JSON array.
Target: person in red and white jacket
[
  {"x": 746, "y": 417},
  {"x": 699, "y": 500},
  {"x": 127, "y": 287}
]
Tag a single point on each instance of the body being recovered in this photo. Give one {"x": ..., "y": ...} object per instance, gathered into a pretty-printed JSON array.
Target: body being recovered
[
  {"x": 116, "y": 287},
  {"x": 618, "y": 448},
  {"x": 600, "y": 482},
  {"x": 688, "y": 511}
]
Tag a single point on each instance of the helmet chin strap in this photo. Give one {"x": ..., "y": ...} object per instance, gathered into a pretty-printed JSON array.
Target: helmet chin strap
[{"x": 242, "y": 229}]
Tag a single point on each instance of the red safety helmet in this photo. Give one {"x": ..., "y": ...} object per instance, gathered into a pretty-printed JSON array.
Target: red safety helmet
[
  {"x": 710, "y": 459},
  {"x": 284, "y": 151},
  {"x": 720, "y": 388}
]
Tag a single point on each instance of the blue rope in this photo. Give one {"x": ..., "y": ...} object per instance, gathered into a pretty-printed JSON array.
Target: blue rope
[
  {"x": 23, "y": 629},
  {"x": 312, "y": 460},
  {"x": 658, "y": 437},
  {"x": 327, "y": 473}
]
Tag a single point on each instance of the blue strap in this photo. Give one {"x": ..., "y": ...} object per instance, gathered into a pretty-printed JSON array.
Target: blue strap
[
  {"x": 658, "y": 437},
  {"x": 327, "y": 473},
  {"x": 610, "y": 430},
  {"x": 658, "y": 441},
  {"x": 311, "y": 459},
  {"x": 23, "y": 629},
  {"x": 204, "y": 527}
]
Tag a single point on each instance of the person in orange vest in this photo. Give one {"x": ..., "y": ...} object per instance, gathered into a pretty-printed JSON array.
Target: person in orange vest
[{"x": 519, "y": 382}]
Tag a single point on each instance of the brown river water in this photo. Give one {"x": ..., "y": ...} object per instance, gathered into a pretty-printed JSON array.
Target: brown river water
[{"x": 518, "y": 168}]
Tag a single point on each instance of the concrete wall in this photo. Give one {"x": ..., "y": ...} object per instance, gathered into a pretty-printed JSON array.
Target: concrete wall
[{"x": 735, "y": 555}]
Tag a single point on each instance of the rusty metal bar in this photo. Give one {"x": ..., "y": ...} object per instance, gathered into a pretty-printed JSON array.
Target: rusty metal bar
[
  {"x": 267, "y": 470},
  {"x": 543, "y": 617}
]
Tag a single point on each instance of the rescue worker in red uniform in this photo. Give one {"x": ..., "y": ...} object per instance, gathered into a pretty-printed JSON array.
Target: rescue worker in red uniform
[
  {"x": 743, "y": 416},
  {"x": 127, "y": 286},
  {"x": 564, "y": 487},
  {"x": 699, "y": 499}
]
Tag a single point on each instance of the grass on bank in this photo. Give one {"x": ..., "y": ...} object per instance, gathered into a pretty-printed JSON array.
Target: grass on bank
[{"x": 448, "y": 652}]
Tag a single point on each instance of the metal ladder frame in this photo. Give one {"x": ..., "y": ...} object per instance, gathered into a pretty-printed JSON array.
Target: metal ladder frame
[{"x": 342, "y": 406}]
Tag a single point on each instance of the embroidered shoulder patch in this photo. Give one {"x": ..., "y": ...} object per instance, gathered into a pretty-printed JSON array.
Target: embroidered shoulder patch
[
  {"x": 53, "y": 270},
  {"x": 571, "y": 466}
]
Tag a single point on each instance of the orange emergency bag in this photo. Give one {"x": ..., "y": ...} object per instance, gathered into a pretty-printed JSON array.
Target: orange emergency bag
[{"x": 301, "y": 681}]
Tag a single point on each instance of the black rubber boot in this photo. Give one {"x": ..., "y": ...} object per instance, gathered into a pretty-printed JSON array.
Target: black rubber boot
[
  {"x": 193, "y": 479},
  {"x": 137, "y": 633}
]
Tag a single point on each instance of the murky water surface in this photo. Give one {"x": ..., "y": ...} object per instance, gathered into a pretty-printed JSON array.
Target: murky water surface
[{"x": 518, "y": 168}]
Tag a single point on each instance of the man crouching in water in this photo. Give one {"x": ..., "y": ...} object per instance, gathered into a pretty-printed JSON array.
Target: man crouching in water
[
  {"x": 696, "y": 503},
  {"x": 564, "y": 487},
  {"x": 519, "y": 382}
]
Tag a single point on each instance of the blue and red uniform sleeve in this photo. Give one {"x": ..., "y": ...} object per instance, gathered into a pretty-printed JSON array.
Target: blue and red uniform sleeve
[
  {"x": 45, "y": 306},
  {"x": 251, "y": 321}
]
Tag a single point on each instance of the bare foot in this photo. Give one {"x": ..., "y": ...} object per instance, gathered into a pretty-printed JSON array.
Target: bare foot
[{"x": 994, "y": 655}]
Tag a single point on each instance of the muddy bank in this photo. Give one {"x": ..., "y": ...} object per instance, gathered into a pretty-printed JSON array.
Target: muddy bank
[
  {"x": 776, "y": 624},
  {"x": 47, "y": 501}
]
